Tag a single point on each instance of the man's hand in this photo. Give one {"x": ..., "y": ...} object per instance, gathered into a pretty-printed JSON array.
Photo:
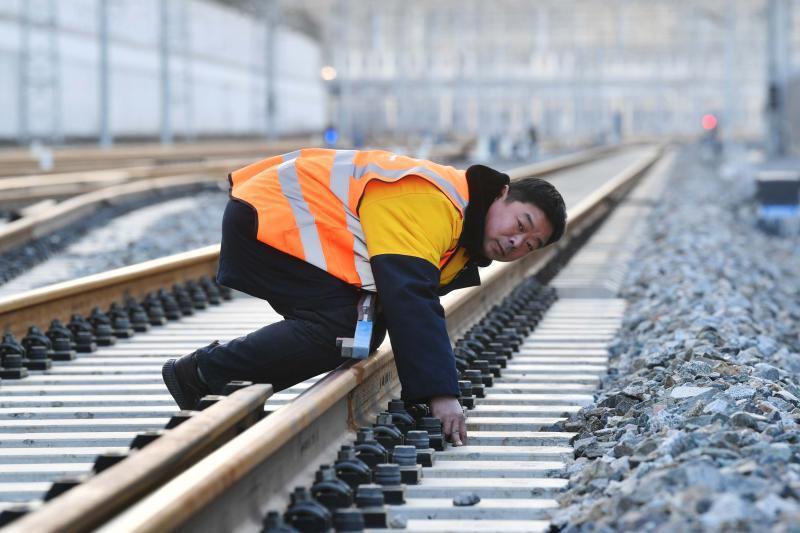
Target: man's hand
[{"x": 449, "y": 411}]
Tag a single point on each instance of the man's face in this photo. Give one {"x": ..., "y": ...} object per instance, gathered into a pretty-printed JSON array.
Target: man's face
[{"x": 514, "y": 229}]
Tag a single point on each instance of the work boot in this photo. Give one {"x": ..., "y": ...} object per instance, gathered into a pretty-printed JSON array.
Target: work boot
[{"x": 183, "y": 382}]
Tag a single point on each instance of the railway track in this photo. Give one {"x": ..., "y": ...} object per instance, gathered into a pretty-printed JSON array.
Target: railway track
[
  {"x": 16, "y": 162},
  {"x": 118, "y": 390},
  {"x": 50, "y": 216},
  {"x": 23, "y": 192}
]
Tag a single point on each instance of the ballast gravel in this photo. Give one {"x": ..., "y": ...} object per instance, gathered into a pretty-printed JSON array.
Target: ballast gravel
[
  {"x": 696, "y": 426},
  {"x": 116, "y": 236}
]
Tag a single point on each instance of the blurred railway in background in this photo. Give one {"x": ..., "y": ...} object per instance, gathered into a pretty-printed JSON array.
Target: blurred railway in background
[{"x": 570, "y": 72}]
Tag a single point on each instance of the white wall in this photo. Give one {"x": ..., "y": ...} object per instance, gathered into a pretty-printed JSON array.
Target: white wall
[
  {"x": 9, "y": 102},
  {"x": 217, "y": 77}
]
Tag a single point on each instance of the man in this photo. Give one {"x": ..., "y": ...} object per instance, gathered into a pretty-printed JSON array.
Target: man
[{"x": 310, "y": 230}]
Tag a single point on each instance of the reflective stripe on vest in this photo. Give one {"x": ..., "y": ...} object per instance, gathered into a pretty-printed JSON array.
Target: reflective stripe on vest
[
  {"x": 340, "y": 186},
  {"x": 307, "y": 203},
  {"x": 312, "y": 247}
]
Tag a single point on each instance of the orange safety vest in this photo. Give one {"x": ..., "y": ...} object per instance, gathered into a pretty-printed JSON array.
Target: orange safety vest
[{"x": 307, "y": 203}]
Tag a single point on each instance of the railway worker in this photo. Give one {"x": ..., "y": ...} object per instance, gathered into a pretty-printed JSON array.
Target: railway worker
[{"x": 309, "y": 230}]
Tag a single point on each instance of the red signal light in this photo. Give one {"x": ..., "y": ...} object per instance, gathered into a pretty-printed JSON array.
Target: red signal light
[{"x": 709, "y": 122}]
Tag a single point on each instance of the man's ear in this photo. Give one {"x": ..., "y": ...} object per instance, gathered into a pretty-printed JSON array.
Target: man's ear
[{"x": 503, "y": 193}]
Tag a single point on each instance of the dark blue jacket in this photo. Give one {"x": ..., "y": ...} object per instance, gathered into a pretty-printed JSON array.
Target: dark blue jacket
[{"x": 408, "y": 295}]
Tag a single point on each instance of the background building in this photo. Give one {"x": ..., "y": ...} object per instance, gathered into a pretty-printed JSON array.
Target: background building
[
  {"x": 144, "y": 69},
  {"x": 569, "y": 67},
  {"x": 584, "y": 70}
]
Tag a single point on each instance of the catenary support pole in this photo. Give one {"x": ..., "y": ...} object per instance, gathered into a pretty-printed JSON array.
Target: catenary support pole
[
  {"x": 106, "y": 139},
  {"x": 166, "y": 125},
  {"x": 23, "y": 125},
  {"x": 778, "y": 65},
  {"x": 54, "y": 75},
  {"x": 271, "y": 14}
]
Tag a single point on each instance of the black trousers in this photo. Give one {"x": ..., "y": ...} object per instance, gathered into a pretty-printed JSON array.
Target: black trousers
[{"x": 317, "y": 308}]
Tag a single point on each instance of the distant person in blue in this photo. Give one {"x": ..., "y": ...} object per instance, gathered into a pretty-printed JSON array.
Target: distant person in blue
[{"x": 330, "y": 136}]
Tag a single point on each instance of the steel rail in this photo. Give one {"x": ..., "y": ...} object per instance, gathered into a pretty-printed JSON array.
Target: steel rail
[
  {"x": 231, "y": 484},
  {"x": 564, "y": 162},
  {"x": 67, "y": 159},
  {"x": 348, "y": 394},
  {"x": 60, "y": 300}
]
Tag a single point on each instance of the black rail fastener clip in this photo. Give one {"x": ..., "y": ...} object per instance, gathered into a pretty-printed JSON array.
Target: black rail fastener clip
[
  {"x": 143, "y": 438},
  {"x": 421, "y": 441},
  {"x": 306, "y": 514},
  {"x": 140, "y": 322},
  {"x": 475, "y": 376},
  {"x": 509, "y": 339},
  {"x": 370, "y": 500},
  {"x": 101, "y": 326},
  {"x": 486, "y": 373},
  {"x": 120, "y": 322},
  {"x": 61, "y": 337},
  {"x": 211, "y": 289},
  {"x": 13, "y": 512},
  {"x": 350, "y": 469},
  {"x": 368, "y": 449},
  {"x": 273, "y": 523},
  {"x": 500, "y": 348},
  {"x": 197, "y": 295},
  {"x": 494, "y": 358},
  {"x": 108, "y": 459},
  {"x": 388, "y": 476},
  {"x": 331, "y": 491},
  {"x": 38, "y": 349},
  {"x": 469, "y": 348},
  {"x": 225, "y": 292},
  {"x": 179, "y": 418},
  {"x": 466, "y": 399},
  {"x": 183, "y": 300},
  {"x": 400, "y": 417},
  {"x": 170, "y": 305},
  {"x": 82, "y": 334},
  {"x": 406, "y": 456},
  {"x": 461, "y": 362},
  {"x": 348, "y": 520},
  {"x": 386, "y": 432},
  {"x": 63, "y": 484},
  {"x": 417, "y": 410},
  {"x": 12, "y": 358},
  {"x": 154, "y": 309},
  {"x": 433, "y": 426},
  {"x": 495, "y": 370}
]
